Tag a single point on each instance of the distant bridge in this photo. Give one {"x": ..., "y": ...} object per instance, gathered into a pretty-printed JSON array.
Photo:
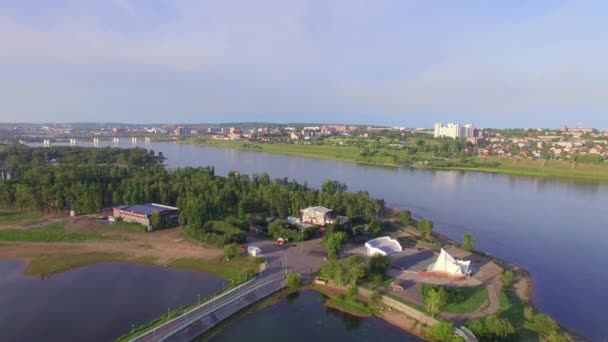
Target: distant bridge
[{"x": 47, "y": 142}]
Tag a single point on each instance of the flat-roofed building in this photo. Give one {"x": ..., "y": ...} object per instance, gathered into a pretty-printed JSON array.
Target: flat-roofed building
[{"x": 142, "y": 213}]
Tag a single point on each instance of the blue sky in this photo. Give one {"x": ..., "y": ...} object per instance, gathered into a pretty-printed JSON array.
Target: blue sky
[{"x": 406, "y": 63}]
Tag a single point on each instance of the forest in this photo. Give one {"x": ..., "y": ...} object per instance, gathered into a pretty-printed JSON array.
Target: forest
[{"x": 88, "y": 180}]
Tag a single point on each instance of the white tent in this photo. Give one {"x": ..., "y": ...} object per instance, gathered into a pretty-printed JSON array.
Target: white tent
[
  {"x": 383, "y": 246},
  {"x": 447, "y": 264},
  {"x": 254, "y": 251}
]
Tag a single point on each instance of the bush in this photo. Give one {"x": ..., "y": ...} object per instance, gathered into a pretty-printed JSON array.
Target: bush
[
  {"x": 293, "y": 281},
  {"x": 425, "y": 227},
  {"x": 506, "y": 278},
  {"x": 499, "y": 328},
  {"x": 378, "y": 265},
  {"x": 545, "y": 324},
  {"x": 217, "y": 233},
  {"x": 245, "y": 275},
  {"x": 405, "y": 217},
  {"x": 351, "y": 292},
  {"x": 231, "y": 251},
  {"x": 443, "y": 332}
]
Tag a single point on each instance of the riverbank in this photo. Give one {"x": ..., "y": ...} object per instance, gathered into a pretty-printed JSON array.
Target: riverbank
[{"x": 395, "y": 158}]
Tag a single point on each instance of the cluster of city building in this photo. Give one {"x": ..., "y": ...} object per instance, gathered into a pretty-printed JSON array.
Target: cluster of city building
[{"x": 556, "y": 144}]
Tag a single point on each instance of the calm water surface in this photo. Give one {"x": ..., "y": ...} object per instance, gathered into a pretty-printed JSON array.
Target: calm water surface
[
  {"x": 557, "y": 229},
  {"x": 302, "y": 317},
  {"x": 93, "y": 303}
]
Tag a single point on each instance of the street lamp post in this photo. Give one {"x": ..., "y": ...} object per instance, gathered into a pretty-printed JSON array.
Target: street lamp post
[
  {"x": 199, "y": 298},
  {"x": 132, "y": 331}
]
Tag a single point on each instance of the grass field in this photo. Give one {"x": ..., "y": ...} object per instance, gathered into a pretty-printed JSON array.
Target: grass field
[
  {"x": 349, "y": 306},
  {"x": 51, "y": 233},
  {"x": 231, "y": 269},
  {"x": 461, "y": 300},
  {"x": 13, "y": 217},
  {"x": 332, "y": 152},
  {"x": 51, "y": 264}
]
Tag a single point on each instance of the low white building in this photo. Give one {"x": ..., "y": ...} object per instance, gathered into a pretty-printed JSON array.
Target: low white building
[{"x": 383, "y": 246}]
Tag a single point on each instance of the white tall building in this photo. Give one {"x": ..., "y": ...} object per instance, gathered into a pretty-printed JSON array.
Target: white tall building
[{"x": 454, "y": 130}]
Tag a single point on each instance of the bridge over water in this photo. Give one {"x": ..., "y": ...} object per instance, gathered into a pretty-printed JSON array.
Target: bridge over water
[{"x": 199, "y": 320}]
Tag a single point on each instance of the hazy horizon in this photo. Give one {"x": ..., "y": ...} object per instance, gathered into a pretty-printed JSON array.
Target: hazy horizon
[{"x": 390, "y": 63}]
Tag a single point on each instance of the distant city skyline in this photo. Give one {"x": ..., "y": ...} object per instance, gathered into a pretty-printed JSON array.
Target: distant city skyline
[{"x": 496, "y": 64}]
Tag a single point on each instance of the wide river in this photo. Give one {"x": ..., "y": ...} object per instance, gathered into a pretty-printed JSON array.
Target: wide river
[
  {"x": 94, "y": 303},
  {"x": 556, "y": 229}
]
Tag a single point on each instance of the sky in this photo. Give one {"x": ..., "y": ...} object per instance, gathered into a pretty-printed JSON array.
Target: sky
[{"x": 398, "y": 63}]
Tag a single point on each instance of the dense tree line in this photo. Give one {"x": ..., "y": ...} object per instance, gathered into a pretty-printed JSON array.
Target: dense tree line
[{"x": 89, "y": 179}]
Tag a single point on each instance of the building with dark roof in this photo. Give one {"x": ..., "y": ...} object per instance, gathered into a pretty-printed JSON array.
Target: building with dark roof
[{"x": 142, "y": 213}]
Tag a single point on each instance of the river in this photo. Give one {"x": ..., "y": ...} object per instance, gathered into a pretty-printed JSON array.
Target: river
[
  {"x": 555, "y": 228},
  {"x": 302, "y": 317},
  {"x": 93, "y": 303}
]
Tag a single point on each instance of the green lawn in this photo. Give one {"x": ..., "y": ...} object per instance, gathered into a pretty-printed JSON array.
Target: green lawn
[
  {"x": 12, "y": 217},
  {"x": 51, "y": 233},
  {"x": 50, "y": 264},
  {"x": 131, "y": 227},
  {"x": 349, "y": 305},
  {"x": 461, "y": 299},
  {"x": 228, "y": 269}
]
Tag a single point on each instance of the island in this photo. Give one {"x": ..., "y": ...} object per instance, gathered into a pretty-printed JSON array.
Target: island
[{"x": 68, "y": 207}]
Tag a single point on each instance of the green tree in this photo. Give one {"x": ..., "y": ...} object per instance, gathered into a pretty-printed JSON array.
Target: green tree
[
  {"x": 425, "y": 227},
  {"x": 378, "y": 265},
  {"x": 443, "y": 332},
  {"x": 156, "y": 220},
  {"x": 231, "y": 251},
  {"x": 374, "y": 228},
  {"x": 434, "y": 300},
  {"x": 506, "y": 278},
  {"x": 500, "y": 328},
  {"x": 335, "y": 242},
  {"x": 293, "y": 281},
  {"x": 355, "y": 269},
  {"x": 529, "y": 313},
  {"x": 468, "y": 241},
  {"x": 406, "y": 217}
]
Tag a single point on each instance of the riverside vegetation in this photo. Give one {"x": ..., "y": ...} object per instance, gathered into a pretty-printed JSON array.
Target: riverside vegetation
[{"x": 422, "y": 151}]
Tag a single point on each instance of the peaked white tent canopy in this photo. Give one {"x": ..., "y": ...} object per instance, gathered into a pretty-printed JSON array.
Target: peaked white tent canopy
[{"x": 447, "y": 264}]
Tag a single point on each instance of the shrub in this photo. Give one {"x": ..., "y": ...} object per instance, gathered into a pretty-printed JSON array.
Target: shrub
[
  {"x": 443, "y": 332},
  {"x": 405, "y": 217},
  {"x": 293, "y": 281},
  {"x": 425, "y": 227},
  {"x": 231, "y": 251},
  {"x": 245, "y": 275},
  {"x": 351, "y": 292},
  {"x": 545, "y": 324},
  {"x": 506, "y": 278},
  {"x": 378, "y": 266}
]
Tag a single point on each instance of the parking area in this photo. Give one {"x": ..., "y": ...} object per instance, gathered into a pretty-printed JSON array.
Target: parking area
[{"x": 303, "y": 259}]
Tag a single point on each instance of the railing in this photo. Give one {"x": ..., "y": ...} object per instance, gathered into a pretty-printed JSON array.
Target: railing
[{"x": 187, "y": 321}]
